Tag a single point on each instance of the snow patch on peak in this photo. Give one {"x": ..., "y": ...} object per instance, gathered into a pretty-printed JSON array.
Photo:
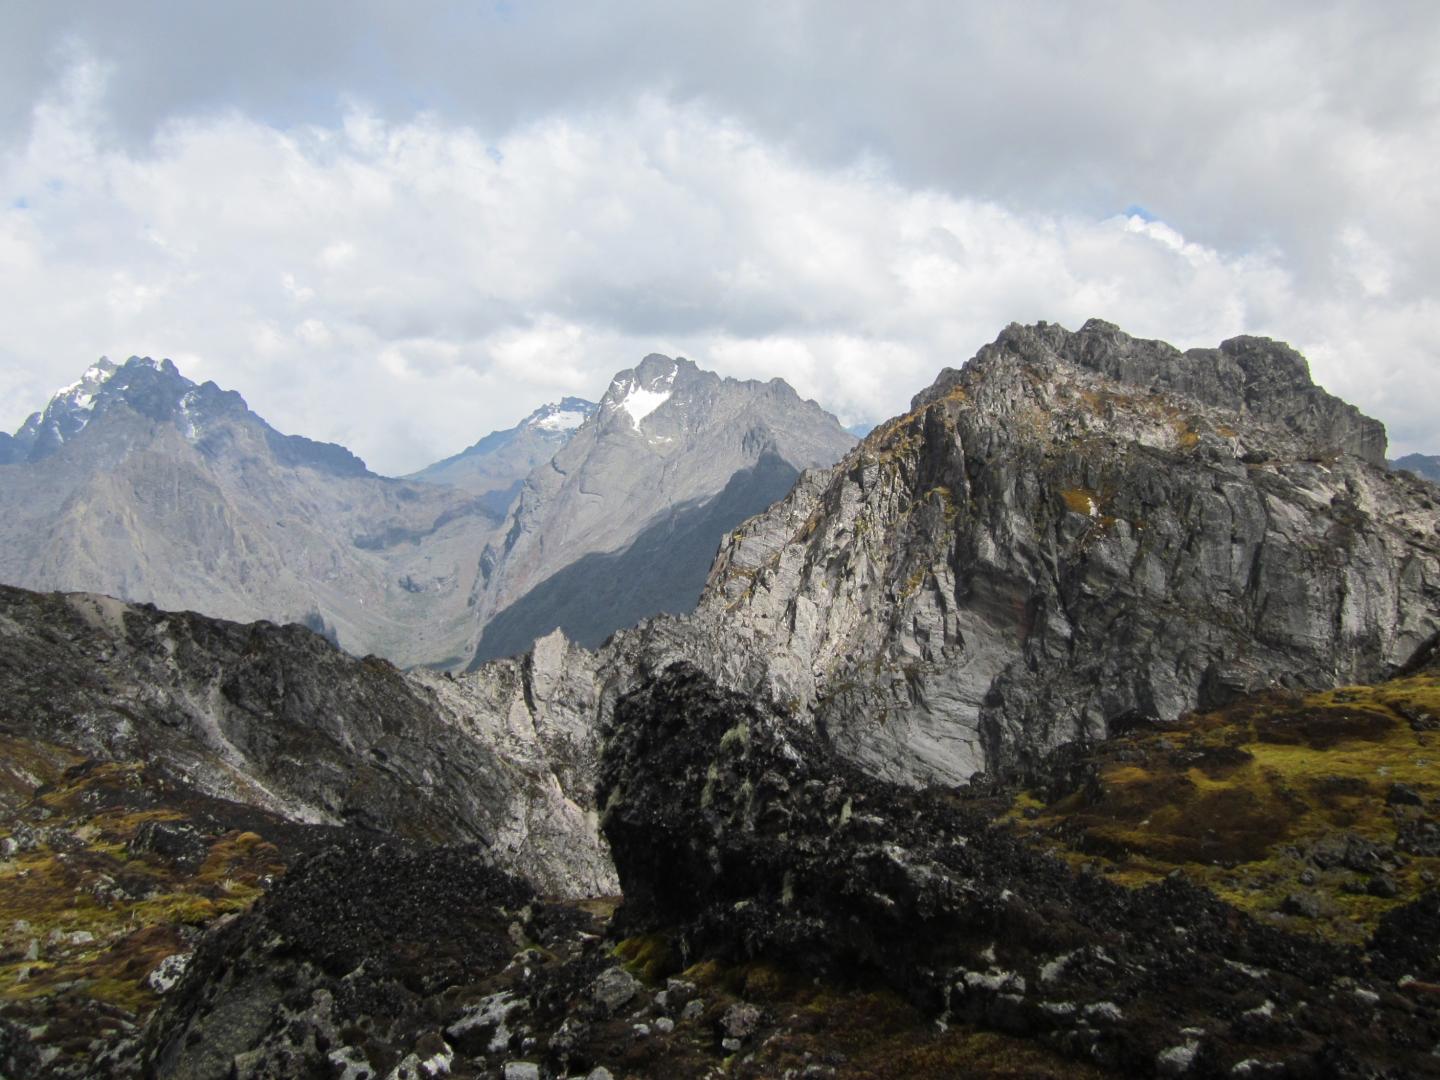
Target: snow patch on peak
[
  {"x": 562, "y": 420},
  {"x": 640, "y": 401}
]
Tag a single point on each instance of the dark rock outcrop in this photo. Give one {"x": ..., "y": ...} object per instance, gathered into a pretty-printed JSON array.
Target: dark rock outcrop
[
  {"x": 736, "y": 825},
  {"x": 277, "y": 717}
]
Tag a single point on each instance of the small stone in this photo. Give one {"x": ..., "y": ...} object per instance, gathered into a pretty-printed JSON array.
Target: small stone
[
  {"x": 600, "y": 1072},
  {"x": 1383, "y": 886},
  {"x": 33, "y": 951},
  {"x": 664, "y": 1025},
  {"x": 740, "y": 1020},
  {"x": 730, "y": 1045},
  {"x": 1305, "y": 905},
  {"x": 168, "y": 972},
  {"x": 1104, "y": 1010},
  {"x": 614, "y": 987},
  {"x": 1176, "y": 1060},
  {"x": 692, "y": 1010},
  {"x": 1403, "y": 795},
  {"x": 642, "y": 1031},
  {"x": 1307, "y": 877},
  {"x": 522, "y": 1070}
]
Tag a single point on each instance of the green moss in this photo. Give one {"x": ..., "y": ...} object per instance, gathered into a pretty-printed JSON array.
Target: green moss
[
  {"x": 1231, "y": 797},
  {"x": 651, "y": 957}
]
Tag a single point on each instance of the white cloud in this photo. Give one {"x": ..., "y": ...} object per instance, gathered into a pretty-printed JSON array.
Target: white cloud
[{"x": 400, "y": 287}]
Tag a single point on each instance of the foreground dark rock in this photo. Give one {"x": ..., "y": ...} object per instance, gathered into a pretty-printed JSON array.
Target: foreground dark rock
[{"x": 740, "y": 832}]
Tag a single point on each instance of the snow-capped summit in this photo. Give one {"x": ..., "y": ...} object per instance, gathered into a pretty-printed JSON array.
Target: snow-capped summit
[
  {"x": 567, "y": 414},
  {"x": 156, "y": 391},
  {"x": 642, "y": 390},
  {"x": 139, "y": 483}
]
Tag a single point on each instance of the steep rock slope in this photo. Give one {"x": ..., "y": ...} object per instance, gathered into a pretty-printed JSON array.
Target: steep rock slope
[
  {"x": 1075, "y": 530},
  {"x": 496, "y": 466},
  {"x": 665, "y": 442},
  {"x": 277, "y": 718},
  {"x": 139, "y": 483}
]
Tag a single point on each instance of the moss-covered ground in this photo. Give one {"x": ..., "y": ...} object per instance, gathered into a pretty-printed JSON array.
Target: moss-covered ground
[
  {"x": 1318, "y": 812},
  {"x": 88, "y": 910}
]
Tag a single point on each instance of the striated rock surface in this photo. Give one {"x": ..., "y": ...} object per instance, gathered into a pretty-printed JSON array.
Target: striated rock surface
[
  {"x": 276, "y": 717},
  {"x": 139, "y": 483},
  {"x": 1040, "y": 553},
  {"x": 1075, "y": 530},
  {"x": 650, "y": 468}
]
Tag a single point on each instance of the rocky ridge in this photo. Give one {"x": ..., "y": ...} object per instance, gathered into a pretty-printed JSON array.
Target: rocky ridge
[
  {"x": 1047, "y": 545},
  {"x": 277, "y": 718},
  {"x": 1038, "y": 555}
]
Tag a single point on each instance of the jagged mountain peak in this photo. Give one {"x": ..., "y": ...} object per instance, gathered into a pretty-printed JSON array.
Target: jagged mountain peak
[
  {"x": 495, "y": 466},
  {"x": 157, "y": 391},
  {"x": 1260, "y": 379},
  {"x": 635, "y": 393},
  {"x": 564, "y": 415},
  {"x": 674, "y": 457}
]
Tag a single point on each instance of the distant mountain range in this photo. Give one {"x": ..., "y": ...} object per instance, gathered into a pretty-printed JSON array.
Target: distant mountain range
[
  {"x": 136, "y": 482},
  {"x": 1426, "y": 466}
]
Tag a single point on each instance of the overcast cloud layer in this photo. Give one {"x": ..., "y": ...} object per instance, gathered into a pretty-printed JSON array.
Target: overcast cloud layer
[{"x": 400, "y": 230}]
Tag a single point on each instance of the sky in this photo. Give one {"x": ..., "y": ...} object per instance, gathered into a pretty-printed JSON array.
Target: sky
[{"x": 400, "y": 227}]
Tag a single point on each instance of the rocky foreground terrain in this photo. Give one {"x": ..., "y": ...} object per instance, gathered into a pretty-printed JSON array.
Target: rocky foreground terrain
[
  {"x": 1079, "y": 722},
  {"x": 784, "y": 914}
]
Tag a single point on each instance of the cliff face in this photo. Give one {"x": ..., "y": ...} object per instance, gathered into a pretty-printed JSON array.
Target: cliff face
[{"x": 1074, "y": 531}]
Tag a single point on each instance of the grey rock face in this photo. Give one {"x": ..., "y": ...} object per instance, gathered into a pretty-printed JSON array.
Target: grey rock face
[
  {"x": 667, "y": 438},
  {"x": 139, "y": 483},
  {"x": 276, "y": 717},
  {"x": 497, "y": 465},
  {"x": 1039, "y": 550}
]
